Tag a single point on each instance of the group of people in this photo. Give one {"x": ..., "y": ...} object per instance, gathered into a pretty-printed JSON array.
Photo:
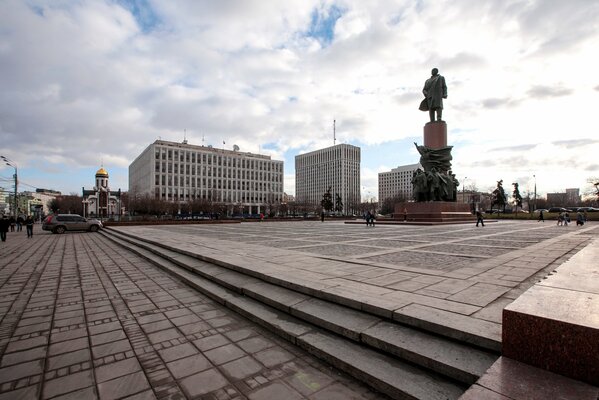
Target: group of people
[
  {"x": 9, "y": 223},
  {"x": 369, "y": 217},
  {"x": 563, "y": 219}
]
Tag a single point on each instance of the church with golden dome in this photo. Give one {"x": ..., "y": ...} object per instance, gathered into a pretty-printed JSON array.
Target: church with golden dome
[{"x": 101, "y": 201}]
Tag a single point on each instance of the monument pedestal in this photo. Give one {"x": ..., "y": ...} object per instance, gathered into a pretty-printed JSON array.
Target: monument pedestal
[
  {"x": 435, "y": 134},
  {"x": 441, "y": 212}
]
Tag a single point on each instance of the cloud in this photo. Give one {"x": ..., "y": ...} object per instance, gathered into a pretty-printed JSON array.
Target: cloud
[
  {"x": 522, "y": 147},
  {"x": 540, "y": 91},
  {"x": 570, "y": 144},
  {"x": 496, "y": 103},
  {"x": 592, "y": 168},
  {"x": 86, "y": 81}
]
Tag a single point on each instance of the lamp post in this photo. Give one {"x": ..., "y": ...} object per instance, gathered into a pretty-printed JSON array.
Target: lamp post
[
  {"x": 535, "y": 202},
  {"x": 11, "y": 163},
  {"x": 464, "y": 190}
]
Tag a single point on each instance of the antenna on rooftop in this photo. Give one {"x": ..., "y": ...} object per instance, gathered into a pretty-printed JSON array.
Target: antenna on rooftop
[
  {"x": 184, "y": 136},
  {"x": 334, "y": 134},
  {"x": 202, "y": 139}
]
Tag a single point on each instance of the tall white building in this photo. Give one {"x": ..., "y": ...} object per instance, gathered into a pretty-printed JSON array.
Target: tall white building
[
  {"x": 183, "y": 172},
  {"x": 397, "y": 181},
  {"x": 338, "y": 167}
]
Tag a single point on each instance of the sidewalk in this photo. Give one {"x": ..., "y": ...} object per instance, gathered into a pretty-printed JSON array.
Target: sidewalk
[{"x": 82, "y": 318}]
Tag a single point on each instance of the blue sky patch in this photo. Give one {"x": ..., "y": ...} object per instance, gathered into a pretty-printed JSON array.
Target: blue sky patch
[
  {"x": 322, "y": 24},
  {"x": 142, "y": 12}
]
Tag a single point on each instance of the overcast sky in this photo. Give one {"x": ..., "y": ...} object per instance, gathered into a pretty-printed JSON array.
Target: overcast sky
[{"x": 89, "y": 82}]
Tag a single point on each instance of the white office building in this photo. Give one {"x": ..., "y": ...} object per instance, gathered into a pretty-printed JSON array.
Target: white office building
[
  {"x": 337, "y": 167},
  {"x": 183, "y": 172},
  {"x": 398, "y": 181}
]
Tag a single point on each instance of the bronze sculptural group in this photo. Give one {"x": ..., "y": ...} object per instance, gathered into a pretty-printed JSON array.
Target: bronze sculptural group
[{"x": 434, "y": 185}]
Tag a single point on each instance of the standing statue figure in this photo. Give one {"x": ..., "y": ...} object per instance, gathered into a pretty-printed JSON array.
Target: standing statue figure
[
  {"x": 420, "y": 185},
  {"x": 434, "y": 92}
]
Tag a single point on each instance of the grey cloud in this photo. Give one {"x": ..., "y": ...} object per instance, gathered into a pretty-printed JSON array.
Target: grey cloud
[
  {"x": 549, "y": 91},
  {"x": 570, "y": 144},
  {"x": 494, "y": 102},
  {"x": 458, "y": 61},
  {"x": 592, "y": 168},
  {"x": 409, "y": 98},
  {"x": 522, "y": 147},
  {"x": 596, "y": 88}
]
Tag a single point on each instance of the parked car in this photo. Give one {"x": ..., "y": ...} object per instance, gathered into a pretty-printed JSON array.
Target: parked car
[
  {"x": 588, "y": 209},
  {"x": 59, "y": 223},
  {"x": 557, "y": 209}
]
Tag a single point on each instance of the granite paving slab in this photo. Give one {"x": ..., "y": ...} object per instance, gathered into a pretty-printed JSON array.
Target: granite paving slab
[{"x": 111, "y": 294}]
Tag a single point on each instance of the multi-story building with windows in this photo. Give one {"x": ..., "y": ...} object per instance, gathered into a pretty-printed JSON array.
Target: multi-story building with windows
[
  {"x": 337, "y": 167},
  {"x": 396, "y": 182},
  {"x": 183, "y": 172}
]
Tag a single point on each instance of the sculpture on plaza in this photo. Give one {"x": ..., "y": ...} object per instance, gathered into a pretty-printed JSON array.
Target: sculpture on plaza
[
  {"x": 436, "y": 182},
  {"x": 435, "y": 90}
]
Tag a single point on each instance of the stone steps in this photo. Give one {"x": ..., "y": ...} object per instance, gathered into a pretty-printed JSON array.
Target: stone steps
[
  {"x": 331, "y": 331},
  {"x": 411, "y": 309}
]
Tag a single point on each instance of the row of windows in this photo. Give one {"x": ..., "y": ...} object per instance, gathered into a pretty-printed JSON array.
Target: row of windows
[
  {"x": 217, "y": 172},
  {"x": 217, "y": 195},
  {"x": 326, "y": 155},
  {"x": 168, "y": 180},
  {"x": 215, "y": 159}
]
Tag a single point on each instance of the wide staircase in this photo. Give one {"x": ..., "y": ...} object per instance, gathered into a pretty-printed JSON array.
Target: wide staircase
[{"x": 397, "y": 359}]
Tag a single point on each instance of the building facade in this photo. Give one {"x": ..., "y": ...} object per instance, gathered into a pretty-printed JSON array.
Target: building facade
[
  {"x": 396, "y": 182},
  {"x": 571, "y": 197},
  {"x": 182, "y": 172},
  {"x": 101, "y": 201},
  {"x": 337, "y": 167}
]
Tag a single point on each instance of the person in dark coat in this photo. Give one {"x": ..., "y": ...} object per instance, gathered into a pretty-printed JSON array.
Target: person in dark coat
[
  {"x": 479, "y": 218},
  {"x": 11, "y": 221},
  {"x": 4, "y": 224},
  {"x": 29, "y": 226}
]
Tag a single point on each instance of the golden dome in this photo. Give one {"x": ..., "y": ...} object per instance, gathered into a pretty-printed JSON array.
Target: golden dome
[{"x": 102, "y": 172}]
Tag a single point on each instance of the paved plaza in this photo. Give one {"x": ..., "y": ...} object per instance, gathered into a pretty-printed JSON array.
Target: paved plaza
[
  {"x": 85, "y": 318},
  {"x": 460, "y": 276},
  {"x": 82, "y": 318}
]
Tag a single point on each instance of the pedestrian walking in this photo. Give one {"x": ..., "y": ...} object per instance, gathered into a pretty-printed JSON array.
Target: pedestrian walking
[
  {"x": 367, "y": 218},
  {"x": 29, "y": 226},
  {"x": 11, "y": 221},
  {"x": 405, "y": 214},
  {"x": 322, "y": 216},
  {"x": 479, "y": 218},
  {"x": 579, "y": 219},
  {"x": 20, "y": 221},
  {"x": 541, "y": 216},
  {"x": 4, "y": 224},
  {"x": 560, "y": 219}
]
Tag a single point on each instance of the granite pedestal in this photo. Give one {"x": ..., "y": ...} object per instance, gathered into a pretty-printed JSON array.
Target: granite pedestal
[
  {"x": 555, "y": 324},
  {"x": 435, "y": 134},
  {"x": 434, "y": 211}
]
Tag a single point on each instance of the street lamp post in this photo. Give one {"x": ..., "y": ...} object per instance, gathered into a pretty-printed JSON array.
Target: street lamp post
[
  {"x": 535, "y": 202},
  {"x": 10, "y": 163},
  {"x": 464, "y": 190}
]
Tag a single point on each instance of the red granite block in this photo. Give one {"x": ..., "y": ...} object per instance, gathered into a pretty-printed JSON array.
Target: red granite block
[{"x": 555, "y": 324}]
